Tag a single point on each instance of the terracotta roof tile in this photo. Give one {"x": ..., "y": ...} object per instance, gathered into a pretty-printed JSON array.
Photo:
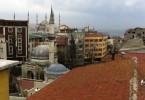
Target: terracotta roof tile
[
  {"x": 104, "y": 81},
  {"x": 26, "y": 84},
  {"x": 62, "y": 40},
  {"x": 93, "y": 35}
]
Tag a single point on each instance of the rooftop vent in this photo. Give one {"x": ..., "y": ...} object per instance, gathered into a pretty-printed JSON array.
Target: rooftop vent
[{"x": 142, "y": 82}]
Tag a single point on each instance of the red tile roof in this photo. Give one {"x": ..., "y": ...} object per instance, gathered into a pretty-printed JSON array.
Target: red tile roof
[
  {"x": 93, "y": 35},
  {"x": 141, "y": 73},
  {"x": 63, "y": 40},
  {"x": 105, "y": 81},
  {"x": 26, "y": 84}
]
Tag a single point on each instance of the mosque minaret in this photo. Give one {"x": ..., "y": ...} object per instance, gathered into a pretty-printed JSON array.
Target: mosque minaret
[{"x": 51, "y": 38}]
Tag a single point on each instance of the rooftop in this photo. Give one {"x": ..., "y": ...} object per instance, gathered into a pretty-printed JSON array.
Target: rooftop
[
  {"x": 93, "y": 35},
  {"x": 104, "y": 81},
  {"x": 37, "y": 35},
  {"x": 62, "y": 40},
  {"x": 3, "y": 20},
  {"x": 133, "y": 44},
  {"x": 4, "y": 64},
  {"x": 26, "y": 84}
]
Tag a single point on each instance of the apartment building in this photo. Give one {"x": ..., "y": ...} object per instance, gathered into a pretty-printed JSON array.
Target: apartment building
[
  {"x": 95, "y": 46},
  {"x": 3, "y": 50},
  {"x": 4, "y": 76},
  {"x": 77, "y": 49},
  {"x": 134, "y": 33},
  {"x": 16, "y": 37}
]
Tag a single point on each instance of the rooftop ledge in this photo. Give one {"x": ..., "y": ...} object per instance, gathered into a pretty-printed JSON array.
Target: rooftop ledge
[
  {"x": 127, "y": 49},
  {"x": 4, "y": 64}
]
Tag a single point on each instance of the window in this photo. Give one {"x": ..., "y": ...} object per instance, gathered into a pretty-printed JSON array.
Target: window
[
  {"x": 99, "y": 49},
  {"x": 20, "y": 47},
  {"x": 19, "y": 44},
  {"x": 19, "y": 40},
  {"x": 10, "y": 50},
  {"x": 95, "y": 44},
  {"x": 96, "y": 40},
  {"x": 19, "y": 30},
  {"x": 80, "y": 56},
  {"x": 86, "y": 55},
  {"x": 91, "y": 40},
  {"x": 100, "y": 40},
  {"x": 79, "y": 41},
  {"x": 100, "y": 54},
  {"x": 19, "y": 36},
  {"x": 80, "y": 46},
  {"x": 10, "y": 29},
  {"x": 91, "y": 50},
  {"x": 86, "y": 50},
  {"x": 99, "y": 44},
  {"x": 86, "y": 45},
  {"x": 86, "y": 40},
  {"x": 19, "y": 51},
  {"x": 1, "y": 50},
  {"x": 95, "y": 54},
  {"x": 96, "y": 50},
  {"x": 92, "y": 45},
  {"x": 10, "y": 40}
]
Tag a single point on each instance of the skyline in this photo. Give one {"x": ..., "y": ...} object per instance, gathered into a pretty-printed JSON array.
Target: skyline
[{"x": 100, "y": 14}]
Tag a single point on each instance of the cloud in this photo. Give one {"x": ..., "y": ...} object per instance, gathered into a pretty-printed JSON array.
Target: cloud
[
  {"x": 130, "y": 3},
  {"x": 101, "y": 13}
]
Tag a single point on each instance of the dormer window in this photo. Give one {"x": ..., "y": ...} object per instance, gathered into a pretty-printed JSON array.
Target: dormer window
[{"x": 10, "y": 29}]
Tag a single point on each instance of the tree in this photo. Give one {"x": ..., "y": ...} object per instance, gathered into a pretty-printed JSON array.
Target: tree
[{"x": 72, "y": 52}]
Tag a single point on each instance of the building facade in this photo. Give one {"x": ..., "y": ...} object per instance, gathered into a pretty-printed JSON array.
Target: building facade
[
  {"x": 3, "y": 50},
  {"x": 42, "y": 55},
  {"x": 95, "y": 46},
  {"x": 16, "y": 36},
  {"x": 36, "y": 39},
  {"x": 63, "y": 50},
  {"x": 76, "y": 48},
  {"x": 134, "y": 33},
  {"x": 4, "y": 76}
]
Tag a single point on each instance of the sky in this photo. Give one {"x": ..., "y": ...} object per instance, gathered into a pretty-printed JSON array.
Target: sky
[{"x": 103, "y": 15}]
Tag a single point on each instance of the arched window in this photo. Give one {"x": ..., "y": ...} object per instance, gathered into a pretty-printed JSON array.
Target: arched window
[{"x": 30, "y": 75}]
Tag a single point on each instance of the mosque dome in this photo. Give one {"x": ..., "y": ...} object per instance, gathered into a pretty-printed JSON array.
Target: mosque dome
[
  {"x": 44, "y": 22},
  {"x": 44, "y": 25},
  {"x": 40, "y": 52},
  {"x": 56, "y": 69}
]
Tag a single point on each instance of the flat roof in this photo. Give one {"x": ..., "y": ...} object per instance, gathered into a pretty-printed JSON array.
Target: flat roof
[{"x": 4, "y": 64}]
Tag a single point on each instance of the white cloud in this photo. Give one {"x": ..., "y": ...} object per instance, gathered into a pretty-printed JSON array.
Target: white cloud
[
  {"x": 130, "y": 3},
  {"x": 81, "y": 11}
]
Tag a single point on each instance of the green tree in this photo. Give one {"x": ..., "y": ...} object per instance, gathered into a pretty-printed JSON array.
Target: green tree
[{"x": 72, "y": 52}]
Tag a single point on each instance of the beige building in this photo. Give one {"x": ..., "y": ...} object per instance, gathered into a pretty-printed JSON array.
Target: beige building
[
  {"x": 51, "y": 73},
  {"x": 29, "y": 87},
  {"x": 36, "y": 39},
  {"x": 3, "y": 50},
  {"x": 95, "y": 46},
  {"x": 134, "y": 33}
]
